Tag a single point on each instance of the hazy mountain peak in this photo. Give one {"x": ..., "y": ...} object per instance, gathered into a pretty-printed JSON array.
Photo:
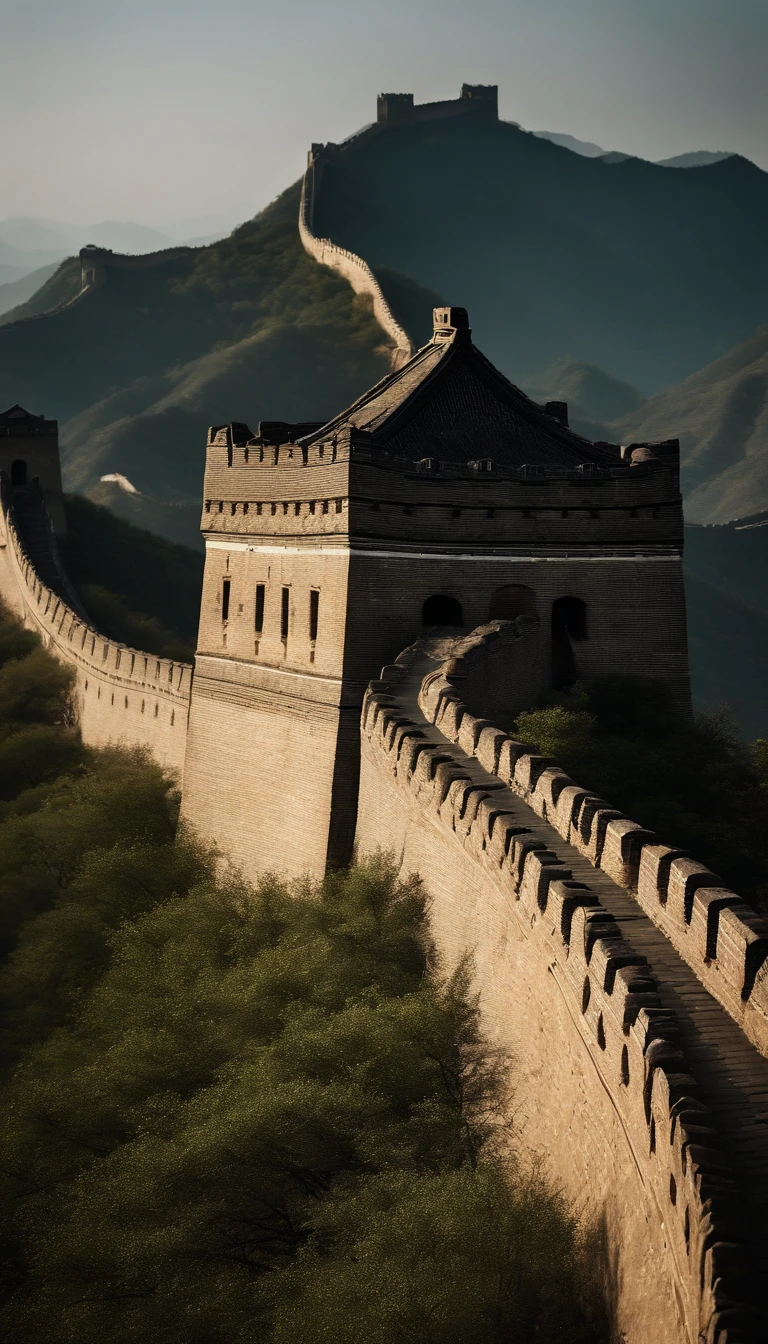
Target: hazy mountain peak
[
  {"x": 591, "y": 392},
  {"x": 586, "y": 148},
  {"x": 697, "y": 158}
]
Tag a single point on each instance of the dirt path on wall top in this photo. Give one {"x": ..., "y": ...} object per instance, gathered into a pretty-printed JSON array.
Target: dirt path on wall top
[{"x": 732, "y": 1076}]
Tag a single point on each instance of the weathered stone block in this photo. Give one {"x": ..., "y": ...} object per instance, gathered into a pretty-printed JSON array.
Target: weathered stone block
[
  {"x": 620, "y": 857},
  {"x": 686, "y": 876},
  {"x": 510, "y": 752},
  {"x": 488, "y": 748}
]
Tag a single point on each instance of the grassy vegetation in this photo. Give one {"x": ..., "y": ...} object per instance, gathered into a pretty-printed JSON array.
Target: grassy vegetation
[
  {"x": 245, "y": 328},
  {"x": 692, "y": 780},
  {"x": 243, "y": 1114}
]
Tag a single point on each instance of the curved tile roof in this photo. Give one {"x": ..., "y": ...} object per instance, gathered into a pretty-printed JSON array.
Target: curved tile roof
[{"x": 450, "y": 402}]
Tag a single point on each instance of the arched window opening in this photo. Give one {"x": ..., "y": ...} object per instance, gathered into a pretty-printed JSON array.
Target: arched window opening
[
  {"x": 441, "y": 610},
  {"x": 19, "y": 472},
  {"x": 514, "y": 599},
  {"x": 569, "y": 623}
]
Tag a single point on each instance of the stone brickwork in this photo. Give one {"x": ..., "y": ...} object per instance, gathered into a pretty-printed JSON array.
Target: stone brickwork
[
  {"x": 640, "y": 1096},
  {"x": 357, "y": 526},
  {"x": 720, "y": 937},
  {"x": 122, "y": 696}
]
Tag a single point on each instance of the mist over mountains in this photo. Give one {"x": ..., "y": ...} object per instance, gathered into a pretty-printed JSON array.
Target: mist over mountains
[
  {"x": 697, "y": 158},
  {"x": 28, "y": 244},
  {"x": 693, "y": 159}
]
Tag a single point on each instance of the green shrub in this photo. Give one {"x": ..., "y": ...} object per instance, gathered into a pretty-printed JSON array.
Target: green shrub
[
  {"x": 263, "y": 1090},
  {"x": 690, "y": 779},
  {"x": 239, "y": 1114}
]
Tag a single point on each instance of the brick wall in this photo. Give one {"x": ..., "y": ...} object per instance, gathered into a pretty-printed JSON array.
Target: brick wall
[
  {"x": 122, "y": 696},
  {"x": 602, "y": 1097},
  {"x": 721, "y": 938}
]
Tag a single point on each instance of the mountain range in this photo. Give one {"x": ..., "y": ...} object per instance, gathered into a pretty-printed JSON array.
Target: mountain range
[
  {"x": 644, "y": 272},
  {"x": 629, "y": 289},
  {"x": 28, "y": 244},
  {"x": 697, "y": 158},
  {"x": 720, "y": 415}
]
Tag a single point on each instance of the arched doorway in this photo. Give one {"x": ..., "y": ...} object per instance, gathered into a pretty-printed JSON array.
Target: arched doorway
[
  {"x": 569, "y": 625},
  {"x": 514, "y": 599},
  {"x": 19, "y": 472},
  {"x": 442, "y": 610}
]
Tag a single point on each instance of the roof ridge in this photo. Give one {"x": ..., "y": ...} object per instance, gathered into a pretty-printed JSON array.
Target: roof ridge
[{"x": 389, "y": 380}]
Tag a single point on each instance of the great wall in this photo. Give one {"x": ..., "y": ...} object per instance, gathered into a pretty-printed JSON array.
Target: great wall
[{"x": 382, "y": 594}]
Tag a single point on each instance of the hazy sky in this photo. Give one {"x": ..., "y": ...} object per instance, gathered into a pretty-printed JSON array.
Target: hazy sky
[{"x": 155, "y": 110}]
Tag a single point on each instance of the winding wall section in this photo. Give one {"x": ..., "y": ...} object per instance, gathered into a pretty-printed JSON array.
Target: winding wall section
[
  {"x": 640, "y": 1092},
  {"x": 122, "y": 696},
  {"x": 347, "y": 264}
]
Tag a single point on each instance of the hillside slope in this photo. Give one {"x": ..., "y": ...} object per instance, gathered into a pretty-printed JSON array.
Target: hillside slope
[
  {"x": 18, "y": 292},
  {"x": 647, "y": 271},
  {"x": 245, "y": 328},
  {"x": 720, "y": 415}
]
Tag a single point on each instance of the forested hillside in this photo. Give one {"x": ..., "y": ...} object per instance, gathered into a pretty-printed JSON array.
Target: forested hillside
[
  {"x": 246, "y": 328},
  {"x": 611, "y": 280},
  {"x": 586, "y": 281},
  {"x": 720, "y": 415},
  {"x": 115, "y": 568}
]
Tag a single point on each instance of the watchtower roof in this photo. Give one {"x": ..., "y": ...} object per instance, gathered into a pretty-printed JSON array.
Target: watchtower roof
[
  {"x": 17, "y": 412},
  {"x": 18, "y": 420},
  {"x": 450, "y": 402}
]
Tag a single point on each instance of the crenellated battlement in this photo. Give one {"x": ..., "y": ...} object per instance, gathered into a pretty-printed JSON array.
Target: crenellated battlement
[
  {"x": 122, "y": 696},
  {"x": 615, "y": 1090},
  {"x": 475, "y": 100}
]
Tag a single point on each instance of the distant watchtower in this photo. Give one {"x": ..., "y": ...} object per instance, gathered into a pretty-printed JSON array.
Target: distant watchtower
[
  {"x": 443, "y": 497},
  {"x": 476, "y": 100},
  {"x": 29, "y": 457}
]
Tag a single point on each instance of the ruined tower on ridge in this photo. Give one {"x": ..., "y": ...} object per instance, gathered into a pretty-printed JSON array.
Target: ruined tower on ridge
[{"x": 443, "y": 497}]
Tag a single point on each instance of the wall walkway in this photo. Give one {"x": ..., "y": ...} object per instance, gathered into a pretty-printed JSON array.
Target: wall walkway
[
  {"x": 640, "y": 1093},
  {"x": 123, "y": 697}
]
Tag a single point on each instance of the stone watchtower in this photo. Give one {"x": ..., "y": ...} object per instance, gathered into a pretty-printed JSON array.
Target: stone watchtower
[
  {"x": 443, "y": 497},
  {"x": 29, "y": 458}
]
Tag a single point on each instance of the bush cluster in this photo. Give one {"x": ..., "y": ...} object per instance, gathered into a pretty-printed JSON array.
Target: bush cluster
[{"x": 245, "y": 1114}]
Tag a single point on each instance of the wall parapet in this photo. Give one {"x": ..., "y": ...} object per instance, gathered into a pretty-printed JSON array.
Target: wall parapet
[
  {"x": 347, "y": 264},
  {"x": 721, "y": 938},
  {"x": 124, "y": 695},
  {"x": 610, "y": 990}
]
